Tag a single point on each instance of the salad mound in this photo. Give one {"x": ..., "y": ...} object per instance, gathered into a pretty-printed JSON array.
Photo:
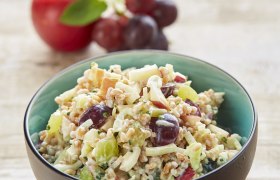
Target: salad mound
[{"x": 146, "y": 123}]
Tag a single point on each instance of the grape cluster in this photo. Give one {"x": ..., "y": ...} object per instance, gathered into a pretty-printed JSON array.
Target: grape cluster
[{"x": 141, "y": 28}]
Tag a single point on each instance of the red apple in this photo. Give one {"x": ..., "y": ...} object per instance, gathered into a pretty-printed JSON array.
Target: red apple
[
  {"x": 159, "y": 105},
  {"x": 180, "y": 79},
  {"x": 46, "y": 15},
  {"x": 188, "y": 174}
]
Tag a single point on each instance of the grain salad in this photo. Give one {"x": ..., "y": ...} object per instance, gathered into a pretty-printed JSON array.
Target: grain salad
[{"x": 146, "y": 123}]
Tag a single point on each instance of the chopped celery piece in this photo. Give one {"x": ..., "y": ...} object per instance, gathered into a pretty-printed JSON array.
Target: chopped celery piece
[
  {"x": 106, "y": 149},
  {"x": 186, "y": 92},
  {"x": 130, "y": 159},
  {"x": 85, "y": 174},
  {"x": 194, "y": 151},
  {"x": 161, "y": 150},
  {"x": 54, "y": 123}
]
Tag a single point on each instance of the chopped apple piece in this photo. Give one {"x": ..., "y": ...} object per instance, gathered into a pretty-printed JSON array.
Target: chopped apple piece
[
  {"x": 113, "y": 75},
  {"x": 180, "y": 78},
  {"x": 106, "y": 84},
  {"x": 144, "y": 73},
  {"x": 156, "y": 96},
  {"x": 131, "y": 91},
  {"x": 159, "y": 105},
  {"x": 108, "y": 124},
  {"x": 66, "y": 96},
  {"x": 171, "y": 74},
  {"x": 98, "y": 77},
  {"x": 155, "y": 81}
]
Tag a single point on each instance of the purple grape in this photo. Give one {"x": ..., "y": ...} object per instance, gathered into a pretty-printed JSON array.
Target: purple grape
[
  {"x": 198, "y": 113},
  {"x": 168, "y": 89},
  {"x": 140, "y": 6},
  {"x": 166, "y": 128},
  {"x": 98, "y": 114},
  {"x": 165, "y": 12},
  {"x": 140, "y": 32},
  {"x": 160, "y": 42},
  {"x": 105, "y": 37}
]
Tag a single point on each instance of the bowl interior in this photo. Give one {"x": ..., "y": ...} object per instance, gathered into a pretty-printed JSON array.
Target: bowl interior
[{"x": 236, "y": 113}]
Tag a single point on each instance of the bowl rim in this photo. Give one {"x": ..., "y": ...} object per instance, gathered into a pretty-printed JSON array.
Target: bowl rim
[{"x": 100, "y": 57}]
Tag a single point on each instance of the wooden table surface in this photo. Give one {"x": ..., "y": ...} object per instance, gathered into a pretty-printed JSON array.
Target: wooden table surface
[{"x": 240, "y": 36}]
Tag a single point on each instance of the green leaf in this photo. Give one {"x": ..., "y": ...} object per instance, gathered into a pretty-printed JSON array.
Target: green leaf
[{"x": 83, "y": 12}]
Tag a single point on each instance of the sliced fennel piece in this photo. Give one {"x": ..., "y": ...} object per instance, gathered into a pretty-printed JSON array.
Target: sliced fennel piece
[
  {"x": 61, "y": 157},
  {"x": 130, "y": 159},
  {"x": 72, "y": 153},
  {"x": 161, "y": 150},
  {"x": 118, "y": 123},
  {"x": 65, "y": 129},
  {"x": 217, "y": 130},
  {"x": 189, "y": 138},
  {"x": 194, "y": 151},
  {"x": 91, "y": 137},
  {"x": 64, "y": 167}
]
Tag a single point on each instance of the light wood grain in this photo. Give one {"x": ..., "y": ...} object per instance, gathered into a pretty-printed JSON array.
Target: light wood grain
[{"x": 240, "y": 36}]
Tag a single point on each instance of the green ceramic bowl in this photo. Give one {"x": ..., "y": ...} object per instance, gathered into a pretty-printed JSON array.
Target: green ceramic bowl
[{"x": 237, "y": 112}]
